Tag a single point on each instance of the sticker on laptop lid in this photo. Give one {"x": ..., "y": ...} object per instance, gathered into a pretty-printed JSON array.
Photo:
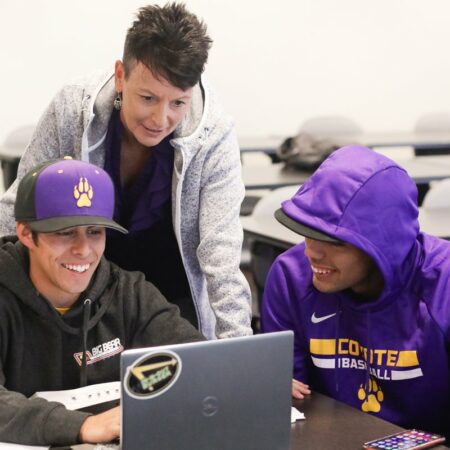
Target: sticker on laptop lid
[{"x": 152, "y": 374}]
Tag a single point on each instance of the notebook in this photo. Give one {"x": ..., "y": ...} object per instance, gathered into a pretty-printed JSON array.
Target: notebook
[{"x": 224, "y": 395}]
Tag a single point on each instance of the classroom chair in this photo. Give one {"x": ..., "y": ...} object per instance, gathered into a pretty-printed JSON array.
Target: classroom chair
[
  {"x": 433, "y": 122},
  {"x": 12, "y": 150},
  {"x": 438, "y": 196},
  {"x": 262, "y": 254},
  {"x": 330, "y": 126}
]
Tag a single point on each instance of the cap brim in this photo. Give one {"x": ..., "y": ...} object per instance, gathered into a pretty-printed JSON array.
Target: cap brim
[
  {"x": 303, "y": 230},
  {"x": 62, "y": 223}
]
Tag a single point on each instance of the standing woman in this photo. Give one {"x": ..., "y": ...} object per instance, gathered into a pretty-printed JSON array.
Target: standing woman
[{"x": 159, "y": 131}]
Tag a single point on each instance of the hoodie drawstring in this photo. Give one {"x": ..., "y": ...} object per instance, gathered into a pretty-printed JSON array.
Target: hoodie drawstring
[
  {"x": 369, "y": 352},
  {"x": 336, "y": 359},
  {"x": 85, "y": 330}
]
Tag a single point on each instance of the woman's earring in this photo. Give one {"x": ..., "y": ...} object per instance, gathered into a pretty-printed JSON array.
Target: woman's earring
[{"x": 118, "y": 101}]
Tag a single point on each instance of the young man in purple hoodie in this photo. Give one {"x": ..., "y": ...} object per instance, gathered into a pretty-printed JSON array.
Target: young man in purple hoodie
[{"x": 367, "y": 294}]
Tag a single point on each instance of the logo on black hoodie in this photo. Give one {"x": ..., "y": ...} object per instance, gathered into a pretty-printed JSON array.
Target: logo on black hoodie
[{"x": 99, "y": 352}]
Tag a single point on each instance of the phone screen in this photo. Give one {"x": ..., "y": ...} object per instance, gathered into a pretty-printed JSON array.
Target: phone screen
[{"x": 408, "y": 439}]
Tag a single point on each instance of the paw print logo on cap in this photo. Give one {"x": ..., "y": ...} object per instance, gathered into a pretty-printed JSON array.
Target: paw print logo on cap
[
  {"x": 83, "y": 193},
  {"x": 371, "y": 397}
]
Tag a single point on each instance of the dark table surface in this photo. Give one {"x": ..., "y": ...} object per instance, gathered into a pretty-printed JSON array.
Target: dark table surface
[
  {"x": 333, "y": 425},
  {"x": 330, "y": 425}
]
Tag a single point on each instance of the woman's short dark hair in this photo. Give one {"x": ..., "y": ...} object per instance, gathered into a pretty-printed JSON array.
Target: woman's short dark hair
[{"x": 170, "y": 41}]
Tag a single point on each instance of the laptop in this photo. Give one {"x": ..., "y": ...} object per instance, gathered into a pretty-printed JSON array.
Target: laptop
[{"x": 224, "y": 394}]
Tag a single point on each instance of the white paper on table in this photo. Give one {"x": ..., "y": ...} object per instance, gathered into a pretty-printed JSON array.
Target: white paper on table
[
  {"x": 8, "y": 446},
  {"x": 107, "y": 447},
  {"x": 85, "y": 396},
  {"x": 296, "y": 415}
]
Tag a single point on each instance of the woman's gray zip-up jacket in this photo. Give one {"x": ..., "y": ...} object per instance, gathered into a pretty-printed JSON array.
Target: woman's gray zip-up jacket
[{"x": 207, "y": 190}]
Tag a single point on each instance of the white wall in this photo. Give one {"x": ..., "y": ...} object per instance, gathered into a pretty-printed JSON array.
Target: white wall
[{"x": 275, "y": 63}]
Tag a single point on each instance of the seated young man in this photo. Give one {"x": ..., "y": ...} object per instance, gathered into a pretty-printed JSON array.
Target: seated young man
[
  {"x": 60, "y": 301},
  {"x": 367, "y": 294}
]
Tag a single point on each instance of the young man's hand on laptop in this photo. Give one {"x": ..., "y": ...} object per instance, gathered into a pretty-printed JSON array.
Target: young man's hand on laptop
[
  {"x": 104, "y": 427},
  {"x": 299, "y": 389}
]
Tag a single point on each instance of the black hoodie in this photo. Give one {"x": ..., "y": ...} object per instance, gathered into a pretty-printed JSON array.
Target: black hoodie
[{"x": 40, "y": 350}]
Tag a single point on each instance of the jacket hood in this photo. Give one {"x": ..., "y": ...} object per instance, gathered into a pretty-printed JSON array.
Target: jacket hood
[
  {"x": 14, "y": 263},
  {"x": 363, "y": 198},
  {"x": 14, "y": 277}
]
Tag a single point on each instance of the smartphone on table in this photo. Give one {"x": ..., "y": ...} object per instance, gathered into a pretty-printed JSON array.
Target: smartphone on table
[{"x": 408, "y": 439}]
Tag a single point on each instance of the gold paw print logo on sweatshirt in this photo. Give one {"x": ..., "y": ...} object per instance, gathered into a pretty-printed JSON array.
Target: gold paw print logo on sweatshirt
[
  {"x": 371, "y": 397},
  {"x": 83, "y": 193}
]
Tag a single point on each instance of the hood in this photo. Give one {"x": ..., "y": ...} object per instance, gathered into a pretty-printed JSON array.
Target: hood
[
  {"x": 14, "y": 276},
  {"x": 366, "y": 199}
]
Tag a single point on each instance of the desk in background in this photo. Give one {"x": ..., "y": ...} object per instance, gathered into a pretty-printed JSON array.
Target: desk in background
[
  {"x": 434, "y": 140},
  {"x": 422, "y": 169},
  {"x": 10, "y": 154}
]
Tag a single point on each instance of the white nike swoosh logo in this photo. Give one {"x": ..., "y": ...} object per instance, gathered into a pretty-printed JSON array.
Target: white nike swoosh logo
[{"x": 315, "y": 319}]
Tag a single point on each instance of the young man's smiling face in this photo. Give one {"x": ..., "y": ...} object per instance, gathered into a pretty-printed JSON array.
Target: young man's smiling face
[
  {"x": 62, "y": 263},
  {"x": 337, "y": 267}
]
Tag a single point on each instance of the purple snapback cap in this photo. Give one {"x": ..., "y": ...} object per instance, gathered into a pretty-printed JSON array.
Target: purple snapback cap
[{"x": 66, "y": 193}]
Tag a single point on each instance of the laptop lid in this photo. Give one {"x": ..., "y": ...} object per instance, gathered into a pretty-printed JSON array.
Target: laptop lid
[{"x": 224, "y": 395}]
